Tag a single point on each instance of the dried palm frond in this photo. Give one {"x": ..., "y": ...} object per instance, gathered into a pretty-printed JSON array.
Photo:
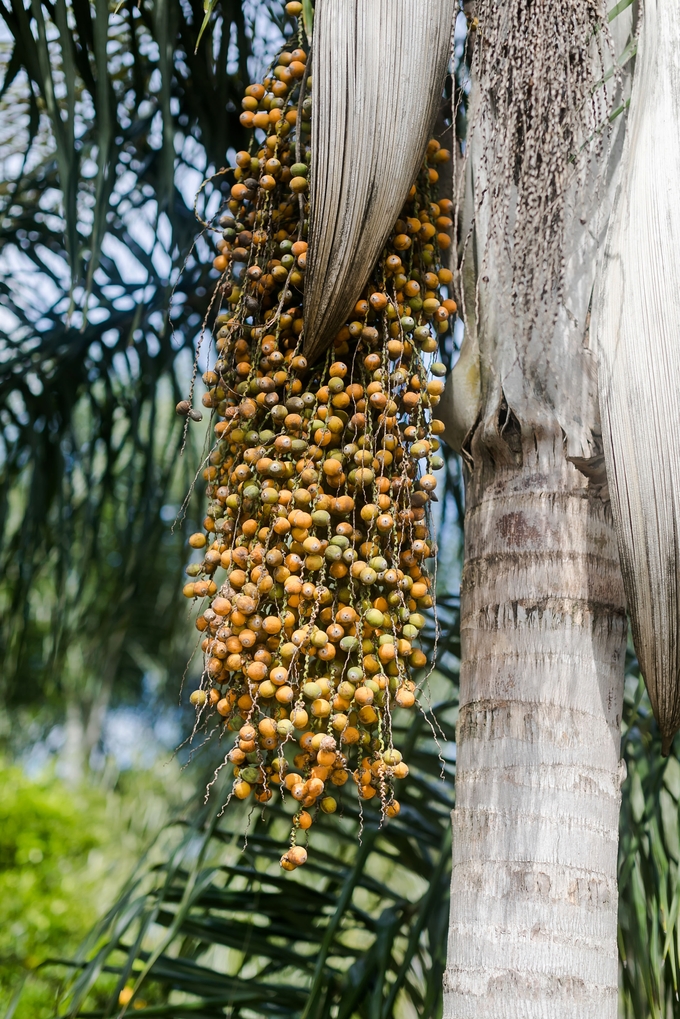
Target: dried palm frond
[
  {"x": 637, "y": 329},
  {"x": 379, "y": 69}
]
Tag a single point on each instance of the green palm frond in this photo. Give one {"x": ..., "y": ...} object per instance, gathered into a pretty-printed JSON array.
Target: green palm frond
[
  {"x": 649, "y": 858},
  {"x": 211, "y": 926},
  {"x": 215, "y": 928}
]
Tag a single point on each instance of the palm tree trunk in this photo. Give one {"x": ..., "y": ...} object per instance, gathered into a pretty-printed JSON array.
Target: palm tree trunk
[{"x": 535, "y": 829}]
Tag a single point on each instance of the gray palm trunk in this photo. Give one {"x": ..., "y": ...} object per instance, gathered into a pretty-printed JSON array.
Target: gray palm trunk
[
  {"x": 535, "y": 829},
  {"x": 543, "y": 633}
]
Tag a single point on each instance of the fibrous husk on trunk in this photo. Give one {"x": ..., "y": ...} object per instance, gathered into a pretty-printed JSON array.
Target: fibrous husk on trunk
[
  {"x": 637, "y": 328},
  {"x": 379, "y": 68}
]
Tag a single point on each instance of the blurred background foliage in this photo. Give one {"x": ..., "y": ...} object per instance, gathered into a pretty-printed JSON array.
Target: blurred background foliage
[
  {"x": 64, "y": 854},
  {"x": 111, "y": 118},
  {"x": 110, "y": 123}
]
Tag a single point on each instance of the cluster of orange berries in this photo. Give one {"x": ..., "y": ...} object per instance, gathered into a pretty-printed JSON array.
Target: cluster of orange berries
[{"x": 316, "y": 538}]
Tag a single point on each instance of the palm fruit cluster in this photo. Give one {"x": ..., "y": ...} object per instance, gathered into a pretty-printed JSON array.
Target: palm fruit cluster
[{"x": 313, "y": 582}]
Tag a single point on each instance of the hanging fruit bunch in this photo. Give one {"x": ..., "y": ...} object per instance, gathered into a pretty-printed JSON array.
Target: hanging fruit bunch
[{"x": 313, "y": 582}]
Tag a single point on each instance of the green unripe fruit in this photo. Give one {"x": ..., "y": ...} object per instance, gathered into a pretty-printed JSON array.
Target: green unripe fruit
[{"x": 374, "y": 617}]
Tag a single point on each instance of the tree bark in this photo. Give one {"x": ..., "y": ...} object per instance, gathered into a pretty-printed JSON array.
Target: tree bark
[{"x": 535, "y": 829}]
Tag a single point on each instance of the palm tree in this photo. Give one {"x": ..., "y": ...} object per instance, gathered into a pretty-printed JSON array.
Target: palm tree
[
  {"x": 543, "y": 612},
  {"x": 119, "y": 123},
  {"x": 543, "y": 609},
  {"x": 543, "y": 616}
]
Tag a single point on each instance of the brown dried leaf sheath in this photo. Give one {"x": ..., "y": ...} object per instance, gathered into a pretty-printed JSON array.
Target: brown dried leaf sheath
[
  {"x": 637, "y": 328},
  {"x": 379, "y": 68}
]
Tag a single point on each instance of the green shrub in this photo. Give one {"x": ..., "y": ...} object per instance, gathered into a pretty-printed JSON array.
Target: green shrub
[{"x": 64, "y": 853}]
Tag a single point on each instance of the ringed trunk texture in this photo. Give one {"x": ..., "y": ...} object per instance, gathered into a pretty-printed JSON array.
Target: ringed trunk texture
[{"x": 535, "y": 829}]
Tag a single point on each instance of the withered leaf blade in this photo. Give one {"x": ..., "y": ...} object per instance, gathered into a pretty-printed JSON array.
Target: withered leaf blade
[
  {"x": 379, "y": 68},
  {"x": 637, "y": 330}
]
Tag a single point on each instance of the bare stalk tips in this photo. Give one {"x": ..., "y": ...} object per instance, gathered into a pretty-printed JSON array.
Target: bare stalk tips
[{"x": 541, "y": 99}]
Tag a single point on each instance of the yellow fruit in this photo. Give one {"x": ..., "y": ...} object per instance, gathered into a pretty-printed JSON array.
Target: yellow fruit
[
  {"x": 297, "y": 855},
  {"x": 310, "y": 568}
]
